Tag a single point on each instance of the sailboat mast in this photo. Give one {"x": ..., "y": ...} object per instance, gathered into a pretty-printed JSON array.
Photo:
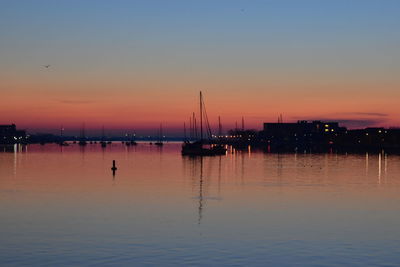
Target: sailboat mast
[
  {"x": 190, "y": 128},
  {"x": 219, "y": 126},
  {"x": 83, "y": 131},
  {"x": 161, "y": 136},
  {"x": 184, "y": 130},
  {"x": 201, "y": 116},
  {"x": 195, "y": 128}
]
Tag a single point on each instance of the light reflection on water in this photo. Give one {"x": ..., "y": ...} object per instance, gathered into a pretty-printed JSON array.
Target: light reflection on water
[{"x": 63, "y": 206}]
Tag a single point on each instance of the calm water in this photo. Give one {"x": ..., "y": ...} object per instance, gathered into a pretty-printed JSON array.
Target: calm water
[{"x": 62, "y": 206}]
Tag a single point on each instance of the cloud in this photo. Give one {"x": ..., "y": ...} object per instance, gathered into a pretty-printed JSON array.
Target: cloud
[
  {"x": 352, "y": 120},
  {"x": 358, "y": 123},
  {"x": 75, "y": 101},
  {"x": 371, "y": 114},
  {"x": 339, "y": 115}
]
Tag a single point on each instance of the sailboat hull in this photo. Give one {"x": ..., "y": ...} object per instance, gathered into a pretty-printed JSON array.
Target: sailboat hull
[{"x": 197, "y": 149}]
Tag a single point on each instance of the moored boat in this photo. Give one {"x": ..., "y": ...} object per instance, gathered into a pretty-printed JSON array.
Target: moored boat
[
  {"x": 160, "y": 137},
  {"x": 201, "y": 147}
]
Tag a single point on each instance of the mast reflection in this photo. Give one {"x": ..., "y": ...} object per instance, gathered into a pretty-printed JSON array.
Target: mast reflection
[
  {"x": 196, "y": 172},
  {"x": 200, "y": 192}
]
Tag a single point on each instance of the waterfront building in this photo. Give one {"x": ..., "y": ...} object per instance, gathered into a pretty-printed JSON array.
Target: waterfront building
[{"x": 10, "y": 135}]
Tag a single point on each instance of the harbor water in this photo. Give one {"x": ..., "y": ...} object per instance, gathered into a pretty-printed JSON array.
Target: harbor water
[{"x": 63, "y": 206}]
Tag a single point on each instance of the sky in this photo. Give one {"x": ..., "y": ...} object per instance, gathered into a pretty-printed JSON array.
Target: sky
[{"x": 131, "y": 65}]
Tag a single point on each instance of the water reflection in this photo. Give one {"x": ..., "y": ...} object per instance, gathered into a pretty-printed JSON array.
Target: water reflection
[
  {"x": 196, "y": 165},
  {"x": 202, "y": 172},
  {"x": 201, "y": 191},
  {"x": 219, "y": 175},
  {"x": 379, "y": 168},
  {"x": 239, "y": 209},
  {"x": 385, "y": 168}
]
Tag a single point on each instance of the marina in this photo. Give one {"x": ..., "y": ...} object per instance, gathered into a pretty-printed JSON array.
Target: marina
[{"x": 200, "y": 133}]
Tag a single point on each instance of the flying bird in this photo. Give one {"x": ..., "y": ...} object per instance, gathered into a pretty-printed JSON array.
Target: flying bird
[{"x": 47, "y": 66}]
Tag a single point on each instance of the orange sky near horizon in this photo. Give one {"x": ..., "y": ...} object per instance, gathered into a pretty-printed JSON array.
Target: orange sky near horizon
[
  {"x": 132, "y": 65},
  {"x": 41, "y": 106}
]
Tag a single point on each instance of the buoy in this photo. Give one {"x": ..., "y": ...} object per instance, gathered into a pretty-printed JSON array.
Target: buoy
[{"x": 113, "y": 168}]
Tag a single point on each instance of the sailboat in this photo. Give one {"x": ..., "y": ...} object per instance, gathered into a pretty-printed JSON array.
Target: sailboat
[
  {"x": 82, "y": 141},
  {"x": 62, "y": 142},
  {"x": 103, "y": 142},
  {"x": 160, "y": 137},
  {"x": 133, "y": 141},
  {"x": 197, "y": 148}
]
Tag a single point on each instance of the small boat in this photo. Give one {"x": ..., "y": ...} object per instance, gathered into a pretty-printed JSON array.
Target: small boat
[
  {"x": 61, "y": 142},
  {"x": 103, "y": 142},
  {"x": 160, "y": 137},
  {"x": 133, "y": 140},
  {"x": 82, "y": 141}
]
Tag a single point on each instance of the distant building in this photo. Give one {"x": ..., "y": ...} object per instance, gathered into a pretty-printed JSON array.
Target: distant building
[
  {"x": 10, "y": 135},
  {"x": 301, "y": 128},
  {"x": 377, "y": 138},
  {"x": 301, "y": 135},
  {"x": 315, "y": 136}
]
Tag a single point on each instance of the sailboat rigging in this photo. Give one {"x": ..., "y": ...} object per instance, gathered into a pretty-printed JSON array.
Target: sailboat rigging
[
  {"x": 82, "y": 141},
  {"x": 197, "y": 148},
  {"x": 160, "y": 137},
  {"x": 62, "y": 142},
  {"x": 103, "y": 142}
]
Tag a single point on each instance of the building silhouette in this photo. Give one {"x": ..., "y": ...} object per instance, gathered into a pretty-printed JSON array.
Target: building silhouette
[
  {"x": 315, "y": 136},
  {"x": 10, "y": 135}
]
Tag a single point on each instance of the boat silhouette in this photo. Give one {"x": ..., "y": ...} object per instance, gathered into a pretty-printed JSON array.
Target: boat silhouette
[
  {"x": 132, "y": 141},
  {"x": 160, "y": 137},
  {"x": 62, "y": 142},
  {"x": 202, "y": 147},
  {"x": 82, "y": 139},
  {"x": 103, "y": 142}
]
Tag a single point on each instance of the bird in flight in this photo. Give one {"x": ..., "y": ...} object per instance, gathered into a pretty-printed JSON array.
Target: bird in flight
[{"x": 47, "y": 66}]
